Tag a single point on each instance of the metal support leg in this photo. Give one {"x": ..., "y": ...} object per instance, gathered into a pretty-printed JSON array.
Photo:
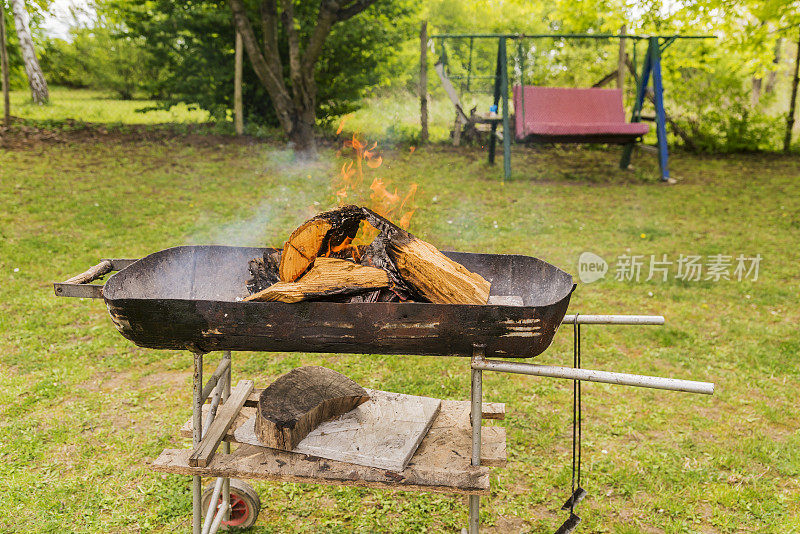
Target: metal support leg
[
  {"x": 476, "y": 398},
  {"x": 197, "y": 428},
  {"x": 507, "y": 133},
  {"x": 226, "y": 446}
]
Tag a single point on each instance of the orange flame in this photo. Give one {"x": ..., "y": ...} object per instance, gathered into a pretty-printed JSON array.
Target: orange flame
[
  {"x": 341, "y": 124},
  {"x": 383, "y": 199}
]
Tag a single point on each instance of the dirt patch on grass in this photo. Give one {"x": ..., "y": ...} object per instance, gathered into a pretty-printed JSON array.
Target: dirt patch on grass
[
  {"x": 23, "y": 135},
  {"x": 509, "y": 523}
]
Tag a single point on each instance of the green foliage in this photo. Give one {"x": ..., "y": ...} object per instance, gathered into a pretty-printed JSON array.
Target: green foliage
[
  {"x": 713, "y": 105},
  {"x": 192, "y": 45},
  {"x": 99, "y": 58}
]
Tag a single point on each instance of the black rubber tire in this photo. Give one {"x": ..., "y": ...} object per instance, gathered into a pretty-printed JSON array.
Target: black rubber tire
[{"x": 245, "y": 504}]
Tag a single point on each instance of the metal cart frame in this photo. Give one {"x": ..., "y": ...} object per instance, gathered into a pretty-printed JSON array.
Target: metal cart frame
[
  {"x": 219, "y": 384},
  {"x": 218, "y": 389}
]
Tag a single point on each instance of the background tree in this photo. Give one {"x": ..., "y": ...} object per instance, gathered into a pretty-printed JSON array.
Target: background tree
[
  {"x": 190, "y": 55},
  {"x": 295, "y": 103},
  {"x": 36, "y": 79}
]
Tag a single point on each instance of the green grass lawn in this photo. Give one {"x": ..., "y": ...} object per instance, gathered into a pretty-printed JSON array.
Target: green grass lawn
[
  {"x": 83, "y": 411},
  {"x": 88, "y": 105}
]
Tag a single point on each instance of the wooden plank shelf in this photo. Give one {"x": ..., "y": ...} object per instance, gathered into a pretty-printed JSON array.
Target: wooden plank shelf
[
  {"x": 441, "y": 463},
  {"x": 451, "y": 427},
  {"x": 491, "y": 410}
]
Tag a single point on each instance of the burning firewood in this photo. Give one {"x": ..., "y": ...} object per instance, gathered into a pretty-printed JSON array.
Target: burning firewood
[
  {"x": 433, "y": 275},
  {"x": 297, "y": 402},
  {"x": 328, "y": 276},
  {"x": 302, "y": 247},
  {"x": 437, "y": 277},
  {"x": 414, "y": 269},
  {"x": 315, "y": 237}
]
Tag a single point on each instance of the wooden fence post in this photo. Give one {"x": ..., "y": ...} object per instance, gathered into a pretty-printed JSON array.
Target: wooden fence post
[
  {"x": 238, "y": 120},
  {"x": 423, "y": 82},
  {"x": 621, "y": 64},
  {"x": 787, "y": 140}
]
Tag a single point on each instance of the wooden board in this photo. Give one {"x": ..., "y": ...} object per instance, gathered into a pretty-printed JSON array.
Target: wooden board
[
  {"x": 383, "y": 432},
  {"x": 221, "y": 424},
  {"x": 451, "y": 426},
  {"x": 441, "y": 463},
  {"x": 272, "y": 464}
]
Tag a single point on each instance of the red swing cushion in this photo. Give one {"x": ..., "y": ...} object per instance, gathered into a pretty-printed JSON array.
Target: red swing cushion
[{"x": 566, "y": 115}]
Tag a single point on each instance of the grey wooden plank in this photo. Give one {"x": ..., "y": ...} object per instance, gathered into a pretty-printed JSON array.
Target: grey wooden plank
[
  {"x": 450, "y": 429},
  {"x": 246, "y": 461},
  {"x": 384, "y": 432},
  {"x": 226, "y": 414}
]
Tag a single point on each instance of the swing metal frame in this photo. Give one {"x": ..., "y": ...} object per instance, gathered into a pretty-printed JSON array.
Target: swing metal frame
[{"x": 651, "y": 69}]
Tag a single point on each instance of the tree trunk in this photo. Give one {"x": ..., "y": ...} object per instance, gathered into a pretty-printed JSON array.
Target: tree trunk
[
  {"x": 238, "y": 119},
  {"x": 35, "y": 77},
  {"x": 755, "y": 93},
  {"x": 4, "y": 68},
  {"x": 294, "y": 99},
  {"x": 302, "y": 132},
  {"x": 772, "y": 76}
]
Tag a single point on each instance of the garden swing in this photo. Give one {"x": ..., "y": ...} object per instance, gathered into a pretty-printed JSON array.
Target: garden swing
[{"x": 567, "y": 115}]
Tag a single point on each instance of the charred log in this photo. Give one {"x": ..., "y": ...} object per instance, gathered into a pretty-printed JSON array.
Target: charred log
[{"x": 264, "y": 272}]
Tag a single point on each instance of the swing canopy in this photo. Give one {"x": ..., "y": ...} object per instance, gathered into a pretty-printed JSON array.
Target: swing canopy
[{"x": 567, "y": 115}]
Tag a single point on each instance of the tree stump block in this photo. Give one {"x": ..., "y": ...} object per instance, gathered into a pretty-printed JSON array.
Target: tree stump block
[{"x": 297, "y": 402}]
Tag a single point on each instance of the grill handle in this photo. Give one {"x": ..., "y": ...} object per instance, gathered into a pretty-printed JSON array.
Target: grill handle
[{"x": 81, "y": 285}]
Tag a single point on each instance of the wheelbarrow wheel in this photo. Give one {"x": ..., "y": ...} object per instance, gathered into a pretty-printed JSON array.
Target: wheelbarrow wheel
[{"x": 245, "y": 504}]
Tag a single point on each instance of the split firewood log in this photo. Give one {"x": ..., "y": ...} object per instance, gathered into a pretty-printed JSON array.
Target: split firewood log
[
  {"x": 432, "y": 274},
  {"x": 416, "y": 270},
  {"x": 297, "y": 402},
  {"x": 440, "y": 279},
  {"x": 302, "y": 247},
  {"x": 316, "y": 237},
  {"x": 327, "y": 277}
]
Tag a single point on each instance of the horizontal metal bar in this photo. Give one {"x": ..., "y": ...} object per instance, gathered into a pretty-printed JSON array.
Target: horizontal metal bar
[
  {"x": 83, "y": 291},
  {"x": 224, "y": 363},
  {"x": 80, "y": 287},
  {"x": 563, "y": 36},
  {"x": 615, "y": 319},
  {"x": 117, "y": 264},
  {"x": 590, "y": 375}
]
